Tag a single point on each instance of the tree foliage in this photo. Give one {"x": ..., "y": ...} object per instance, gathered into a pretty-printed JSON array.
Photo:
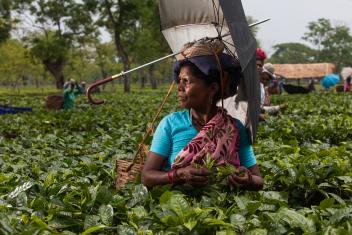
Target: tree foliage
[
  {"x": 333, "y": 43},
  {"x": 124, "y": 20},
  {"x": 65, "y": 36},
  {"x": 52, "y": 50},
  {"x": 62, "y": 23},
  {"x": 5, "y": 19},
  {"x": 16, "y": 67},
  {"x": 150, "y": 45},
  {"x": 318, "y": 32},
  {"x": 254, "y": 29},
  {"x": 106, "y": 58},
  {"x": 292, "y": 53}
]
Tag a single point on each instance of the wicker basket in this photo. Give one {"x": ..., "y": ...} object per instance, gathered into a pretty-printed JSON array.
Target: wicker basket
[
  {"x": 124, "y": 174},
  {"x": 54, "y": 102},
  {"x": 128, "y": 170}
]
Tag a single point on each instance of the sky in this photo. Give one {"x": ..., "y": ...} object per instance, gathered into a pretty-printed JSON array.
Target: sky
[{"x": 289, "y": 18}]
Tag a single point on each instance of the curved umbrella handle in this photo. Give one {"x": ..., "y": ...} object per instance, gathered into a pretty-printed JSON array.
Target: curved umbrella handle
[{"x": 96, "y": 84}]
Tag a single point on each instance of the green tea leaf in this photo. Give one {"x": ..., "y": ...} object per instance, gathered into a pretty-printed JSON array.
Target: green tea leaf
[
  {"x": 340, "y": 214},
  {"x": 24, "y": 187},
  {"x": 93, "y": 229},
  {"x": 295, "y": 219},
  {"x": 326, "y": 203},
  {"x": 190, "y": 225},
  {"x": 91, "y": 221},
  {"x": 106, "y": 213}
]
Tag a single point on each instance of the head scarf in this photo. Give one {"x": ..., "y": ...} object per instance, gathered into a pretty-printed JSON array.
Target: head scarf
[
  {"x": 269, "y": 67},
  {"x": 219, "y": 139},
  {"x": 270, "y": 74},
  {"x": 260, "y": 54}
]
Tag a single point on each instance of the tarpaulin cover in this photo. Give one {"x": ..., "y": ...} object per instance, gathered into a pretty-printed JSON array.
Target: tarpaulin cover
[{"x": 13, "y": 110}]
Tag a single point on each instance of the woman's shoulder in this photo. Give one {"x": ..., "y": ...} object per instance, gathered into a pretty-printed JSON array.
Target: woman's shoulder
[
  {"x": 177, "y": 116},
  {"x": 175, "y": 121}
]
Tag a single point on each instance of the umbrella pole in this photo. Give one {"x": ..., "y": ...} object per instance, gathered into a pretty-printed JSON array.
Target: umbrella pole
[
  {"x": 251, "y": 25},
  {"x": 123, "y": 73}
]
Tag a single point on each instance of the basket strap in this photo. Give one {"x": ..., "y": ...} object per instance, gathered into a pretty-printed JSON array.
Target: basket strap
[{"x": 149, "y": 130}]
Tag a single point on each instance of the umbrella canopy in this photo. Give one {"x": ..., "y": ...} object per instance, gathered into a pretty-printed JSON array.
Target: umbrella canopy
[
  {"x": 184, "y": 21},
  {"x": 346, "y": 72},
  {"x": 330, "y": 80}
]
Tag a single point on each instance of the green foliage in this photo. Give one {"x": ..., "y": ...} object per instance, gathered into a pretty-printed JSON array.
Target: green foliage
[
  {"x": 50, "y": 47},
  {"x": 294, "y": 53},
  {"x": 15, "y": 65},
  {"x": 149, "y": 44},
  {"x": 58, "y": 169},
  {"x": 134, "y": 29},
  {"x": 254, "y": 29},
  {"x": 318, "y": 32},
  {"x": 83, "y": 65},
  {"x": 62, "y": 24},
  {"x": 333, "y": 43},
  {"x": 105, "y": 59},
  {"x": 5, "y": 20}
]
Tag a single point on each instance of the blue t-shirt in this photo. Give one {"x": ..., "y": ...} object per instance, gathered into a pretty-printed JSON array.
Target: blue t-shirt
[{"x": 176, "y": 130}]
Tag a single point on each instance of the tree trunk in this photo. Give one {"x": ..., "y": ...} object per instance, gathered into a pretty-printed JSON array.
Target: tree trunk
[
  {"x": 152, "y": 79},
  {"x": 104, "y": 74},
  {"x": 116, "y": 24},
  {"x": 126, "y": 80},
  {"x": 36, "y": 80},
  {"x": 124, "y": 57},
  {"x": 56, "y": 68},
  {"x": 142, "y": 78},
  {"x": 143, "y": 82}
]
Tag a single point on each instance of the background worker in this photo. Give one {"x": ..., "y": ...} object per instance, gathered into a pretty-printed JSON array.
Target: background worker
[
  {"x": 274, "y": 87},
  {"x": 72, "y": 89},
  {"x": 265, "y": 78}
]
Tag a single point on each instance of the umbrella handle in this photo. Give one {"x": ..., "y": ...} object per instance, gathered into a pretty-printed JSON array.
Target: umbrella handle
[
  {"x": 96, "y": 84},
  {"x": 109, "y": 79}
]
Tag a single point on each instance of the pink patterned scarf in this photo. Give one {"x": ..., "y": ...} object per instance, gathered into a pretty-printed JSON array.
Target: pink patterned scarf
[{"x": 219, "y": 137}]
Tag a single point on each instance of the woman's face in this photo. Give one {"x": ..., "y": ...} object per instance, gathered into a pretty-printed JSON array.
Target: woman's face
[
  {"x": 193, "y": 92},
  {"x": 265, "y": 78},
  {"x": 259, "y": 65}
]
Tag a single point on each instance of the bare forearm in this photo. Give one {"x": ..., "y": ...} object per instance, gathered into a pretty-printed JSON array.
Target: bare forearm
[{"x": 152, "y": 178}]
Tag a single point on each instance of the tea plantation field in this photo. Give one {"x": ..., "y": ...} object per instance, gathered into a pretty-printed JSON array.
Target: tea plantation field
[{"x": 58, "y": 169}]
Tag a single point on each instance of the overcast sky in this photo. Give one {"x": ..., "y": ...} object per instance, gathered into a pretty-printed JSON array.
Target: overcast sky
[{"x": 289, "y": 18}]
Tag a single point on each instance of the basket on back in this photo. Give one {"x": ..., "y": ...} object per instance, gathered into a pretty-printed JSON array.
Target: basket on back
[
  {"x": 54, "y": 102},
  {"x": 128, "y": 170}
]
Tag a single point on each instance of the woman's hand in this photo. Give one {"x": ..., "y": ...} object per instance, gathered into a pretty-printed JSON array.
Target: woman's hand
[
  {"x": 247, "y": 178},
  {"x": 241, "y": 179},
  {"x": 152, "y": 175},
  {"x": 193, "y": 176}
]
